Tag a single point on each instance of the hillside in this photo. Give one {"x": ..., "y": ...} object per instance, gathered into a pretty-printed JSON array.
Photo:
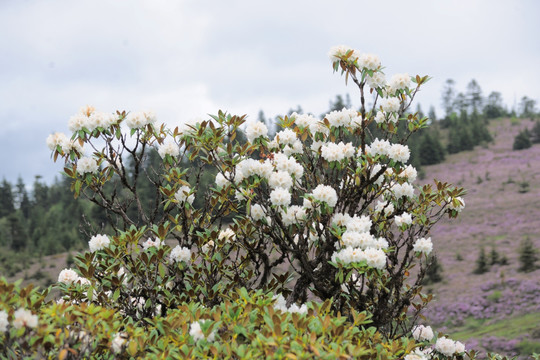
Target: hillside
[{"x": 499, "y": 309}]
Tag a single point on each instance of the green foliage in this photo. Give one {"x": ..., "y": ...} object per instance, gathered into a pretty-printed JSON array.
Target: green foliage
[
  {"x": 246, "y": 326},
  {"x": 522, "y": 140}
]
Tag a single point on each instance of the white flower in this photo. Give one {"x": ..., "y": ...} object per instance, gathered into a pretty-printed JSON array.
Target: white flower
[
  {"x": 169, "y": 148},
  {"x": 355, "y": 239},
  {"x": 445, "y": 346},
  {"x": 135, "y": 120},
  {"x": 304, "y": 120},
  {"x": 152, "y": 243},
  {"x": 286, "y": 136},
  {"x": 68, "y": 145},
  {"x": 339, "y": 218},
  {"x": 378, "y": 80},
  {"x": 68, "y": 276},
  {"x": 87, "y": 165},
  {"x": 400, "y": 81},
  {"x": 296, "y": 309},
  {"x": 359, "y": 224},
  {"x": 98, "y": 242},
  {"x": 380, "y": 243},
  {"x": 183, "y": 195},
  {"x": 208, "y": 246},
  {"x": 3, "y": 321},
  {"x": 256, "y": 212},
  {"x": 325, "y": 194},
  {"x": 280, "y": 302},
  {"x": 374, "y": 171},
  {"x": 255, "y": 130},
  {"x": 387, "y": 206},
  {"x": 403, "y": 219},
  {"x": 390, "y": 104},
  {"x": 421, "y": 333},
  {"x": 179, "y": 254},
  {"x": 409, "y": 173},
  {"x": 318, "y": 127},
  {"x": 118, "y": 342},
  {"x": 341, "y": 118},
  {"x": 332, "y": 152},
  {"x": 24, "y": 318},
  {"x": 280, "y": 197},
  {"x": 375, "y": 257},
  {"x": 402, "y": 190},
  {"x": 379, "y": 147},
  {"x": 369, "y": 61},
  {"x": 416, "y": 355},
  {"x": 380, "y": 117},
  {"x": 197, "y": 334},
  {"x": 56, "y": 139},
  {"x": 399, "y": 152},
  {"x": 77, "y": 122},
  {"x": 338, "y": 51},
  {"x": 280, "y": 179},
  {"x": 458, "y": 208},
  {"x": 293, "y": 215},
  {"x": 227, "y": 235},
  {"x": 460, "y": 347},
  {"x": 423, "y": 245},
  {"x": 221, "y": 181}
]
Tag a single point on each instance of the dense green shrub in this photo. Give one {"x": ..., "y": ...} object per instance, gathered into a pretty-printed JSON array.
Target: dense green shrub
[{"x": 303, "y": 248}]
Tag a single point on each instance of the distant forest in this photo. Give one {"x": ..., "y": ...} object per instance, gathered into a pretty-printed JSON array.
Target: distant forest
[{"x": 48, "y": 220}]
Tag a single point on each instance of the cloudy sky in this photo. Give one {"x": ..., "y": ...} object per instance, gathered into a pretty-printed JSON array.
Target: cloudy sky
[{"x": 185, "y": 59}]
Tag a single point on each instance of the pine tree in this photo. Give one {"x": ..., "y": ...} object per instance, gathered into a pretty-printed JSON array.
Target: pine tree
[
  {"x": 481, "y": 263},
  {"x": 7, "y": 205},
  {"x": 522, "y": 140},
  {"x": 433, "y": 272},
  {"x": 528, "y": 256}
]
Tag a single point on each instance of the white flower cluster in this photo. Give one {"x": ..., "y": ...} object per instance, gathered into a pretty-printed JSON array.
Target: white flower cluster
[
  {"x": 423, "y": 245},
  {"x": 256, "y": 130},
  {"x": 326, "y": 194},
  {"x": 358, "y": 244},
  {"x": 168, "y": 148},
  {"x": 449, "y": 347},
  {"x": 422, "y": 333},
  {"x": 256, "y": 212},
  {"x": 69, "y": 276},
  {"x": 281, "y": 304},
  {"x": 344, "y": 117},
  {"x": 179, "y": 254},
  {"x": 459, "y": 207},
  {"x": 293, "y": 215},
  {"x": 98, "y": 242},
  {"x": 118, "y": 341},
  {"x": 66, "y": 144},
  {"x": 21, "y": 318},
  {"x": 443, "y": 345},
  {"x": 197, "y": 334},
  {"x": 383, "y": 116},
  {"x": 183, "y": 195},
  {"x": 337, "y": 152},
  {"x": 227, "y": 235},
  {"x": 403, "y": 219},
  {"x": 24, "y": 318},
  {"x": 87, "y": 165},
  {"x": 152, "y": 243},
  {"x": 90, "y": 119},
  {"x": 140, "y": 119}
]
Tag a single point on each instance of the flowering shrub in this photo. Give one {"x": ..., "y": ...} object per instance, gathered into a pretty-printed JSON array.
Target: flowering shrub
[{"x": 321, "y": 223}]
